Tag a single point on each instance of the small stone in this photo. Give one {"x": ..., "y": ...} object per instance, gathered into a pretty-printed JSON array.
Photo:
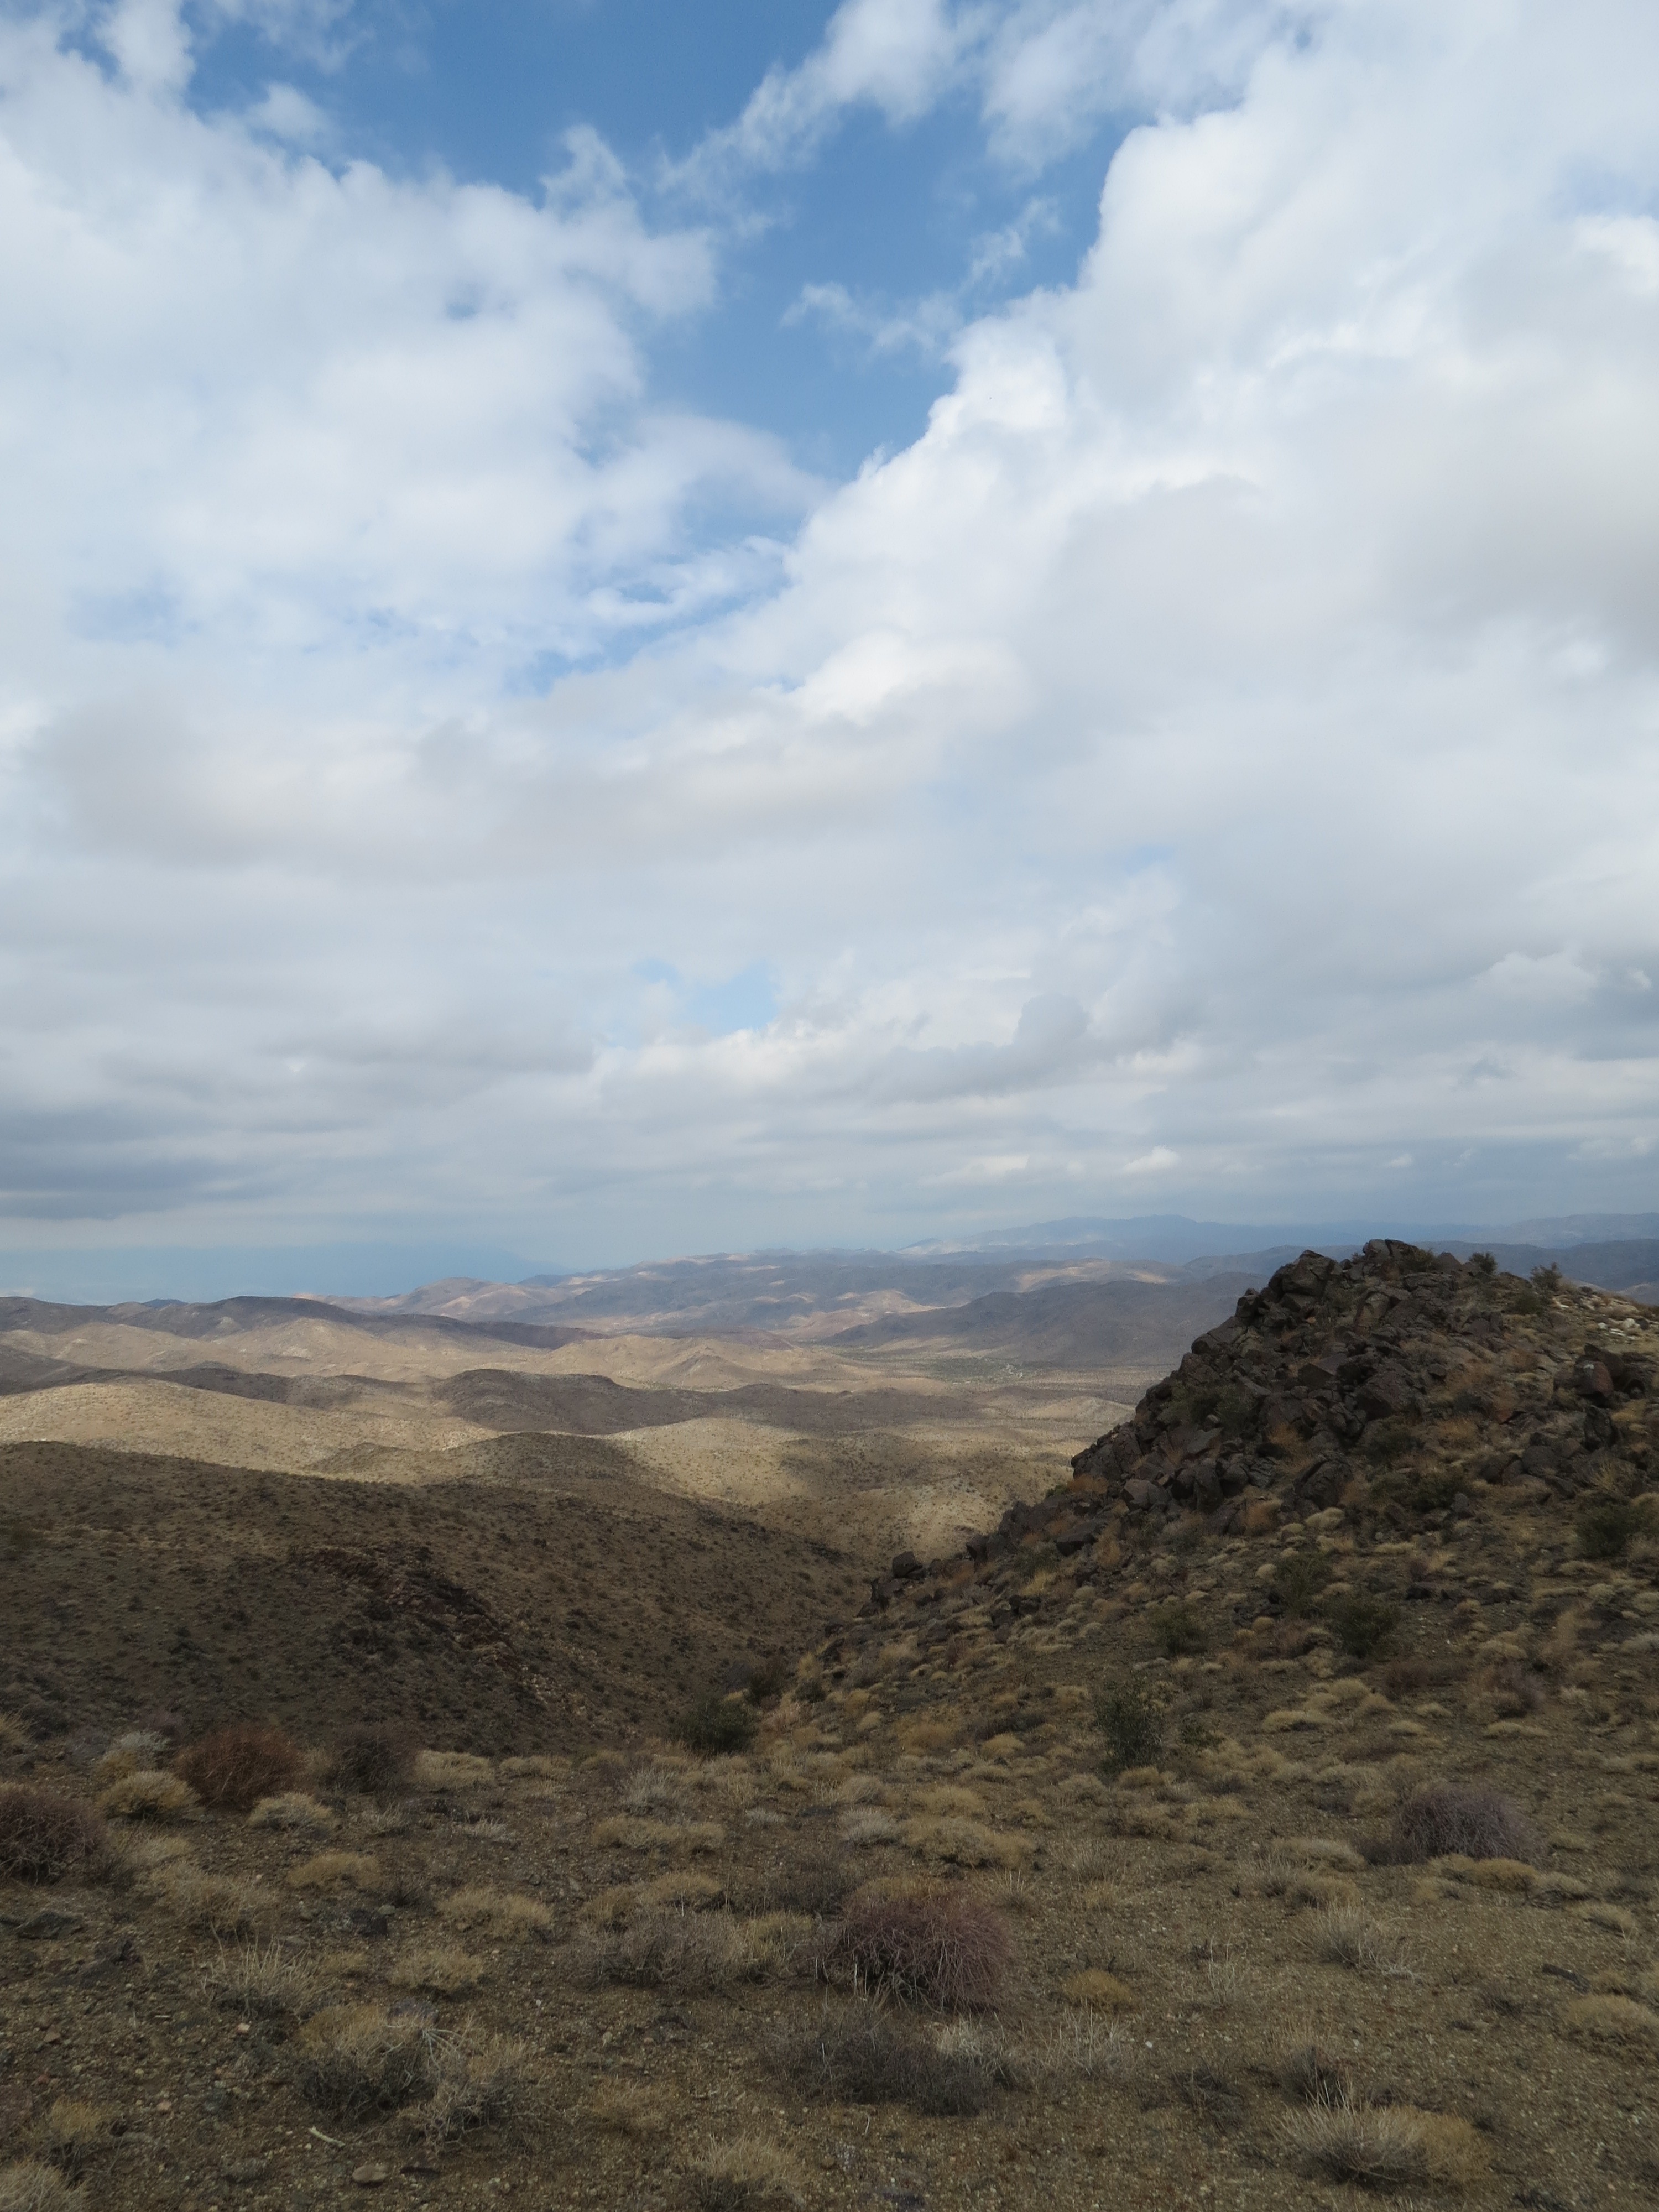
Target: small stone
[
  {"x": 47, "y": 1925},
  {"x": 371, "y": 2177}
]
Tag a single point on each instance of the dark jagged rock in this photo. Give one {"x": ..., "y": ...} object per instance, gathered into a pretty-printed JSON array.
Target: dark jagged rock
[{"x": 1396, "y": 1382}]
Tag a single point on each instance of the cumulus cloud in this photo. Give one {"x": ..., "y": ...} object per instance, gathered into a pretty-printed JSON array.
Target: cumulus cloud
[{"x": 1217, "y": 754}]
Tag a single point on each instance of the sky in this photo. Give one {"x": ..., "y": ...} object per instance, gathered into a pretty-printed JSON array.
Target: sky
[{"x": 627, "y": 629}]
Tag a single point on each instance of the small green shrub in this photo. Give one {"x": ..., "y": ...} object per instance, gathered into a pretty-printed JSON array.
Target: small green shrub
[
  {"x": 1483, "y": 1265},
  {"x": 864, "y": 2056},
  {"x": 1387, "y": 1442},
  {"x": 1178, "y": 1629},
  {"x": 1132, "y": 1724},
  {"x": 378, "y": 1760},
  {"x": 767, "y": 1680},
  {"x": 1361, "y": 1625},
  {"x": 1298, "y": 1580},
  {"x": 1605, "y": 1529},
  {"x": 1548, "y": 1281},
  {"x": 716, "y": 1725}
]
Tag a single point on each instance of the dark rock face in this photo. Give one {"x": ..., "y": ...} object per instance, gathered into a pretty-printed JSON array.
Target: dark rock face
[
  {"x": 1332, "y": 1371},
  {"x": 1395, "y": 1382}
]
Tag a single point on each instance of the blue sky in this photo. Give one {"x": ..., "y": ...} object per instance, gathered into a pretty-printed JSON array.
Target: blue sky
[
  {"x": 619, "y": 635},
  {"x": 489, "y": 92}
]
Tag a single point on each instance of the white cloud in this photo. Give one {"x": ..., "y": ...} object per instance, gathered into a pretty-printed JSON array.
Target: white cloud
[
  {"x": 1160, "y": 1161},
  {"x": 895, "y": 55},
  {"x": 1220, "y": 750}
]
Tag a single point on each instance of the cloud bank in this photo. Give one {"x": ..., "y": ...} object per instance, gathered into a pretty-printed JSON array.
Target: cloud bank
[{"x": 1217, "y": 760}]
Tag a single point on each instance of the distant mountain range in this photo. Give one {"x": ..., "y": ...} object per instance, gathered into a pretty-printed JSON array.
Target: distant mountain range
[
  {"x": 1174, "y": 1238},
  {"x": 885, "y": 1296}
]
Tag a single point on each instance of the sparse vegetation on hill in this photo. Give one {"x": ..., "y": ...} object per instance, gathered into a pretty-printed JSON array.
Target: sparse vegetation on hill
[{"x": 1266, "y": 1817}]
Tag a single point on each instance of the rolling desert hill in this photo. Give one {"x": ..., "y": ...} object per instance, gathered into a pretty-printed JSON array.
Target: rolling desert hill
[{"x": 1263, "y": 1815}]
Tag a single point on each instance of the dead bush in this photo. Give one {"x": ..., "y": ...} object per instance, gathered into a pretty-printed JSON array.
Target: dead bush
[
  {"x": 28, "y": 2186},
  {"x": 1509, "y": 1689},
  {"x": 1468, "y": 1819},
  {"x": 45, "y": 1835},
  {"x": 864, "y": 2056},
  {"x": 231, "y": 1768},
  {"x": 356, "y": 2059},
  {"x": 944, "y": 1947},
  {"x": 378, "y": 1760}
]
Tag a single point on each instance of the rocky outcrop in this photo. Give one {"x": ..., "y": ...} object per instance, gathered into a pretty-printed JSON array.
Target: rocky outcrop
[{"x": 1405, "y": 1377}]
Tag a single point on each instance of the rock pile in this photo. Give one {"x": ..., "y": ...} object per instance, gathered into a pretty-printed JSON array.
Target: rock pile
[{"x": 1416, "y": 1378}]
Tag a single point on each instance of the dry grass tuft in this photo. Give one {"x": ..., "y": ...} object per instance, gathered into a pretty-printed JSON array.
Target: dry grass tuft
[
  {"x": 1099, "y": 1991},
  {"x": 293, "y": 1809},
  {"x": 335, "y": 1871},
  {"x": 439, "y": 1970},
  {"x": 72, "y": 2134},
  {"x": 625, "y": 1832},
  {"x": 743, "y": 2176},
  {"x": 231, "y": 1768},
  {"x": 1085, "y": 2043},
  {"x": 938, "y": 1947},
  {"x": 1348, "y": 1937},
  {"x": 869, "y": 1825},
  {"x": 271, "y": 1983},
  {"x": 1513, "y": 1876},
  {"x": 630, "y": 2108},
  {"x": 356, "y": 2059},
  {"x": 655, "y": 1787},
  {"x": 690, "y": 1952},
  {"x": 1615, "y": 1919},
  {"x": 956, "y": 1841},
  {"x": 45, "y": 1835},
  {"x": 686, "y": 1888},
  {"x": 1386, "y": 2147},
  {"x": 476, "y": 2082},
  {"x": 506, "y": 1914},
  {"x": 26, "y": 2185},
  {"x": 452, "y": 1770},
  {"x": 217, "y": 1902},
  {"x": 147, "y": 1794},
  {"x": 1614, "y": 2020}
]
